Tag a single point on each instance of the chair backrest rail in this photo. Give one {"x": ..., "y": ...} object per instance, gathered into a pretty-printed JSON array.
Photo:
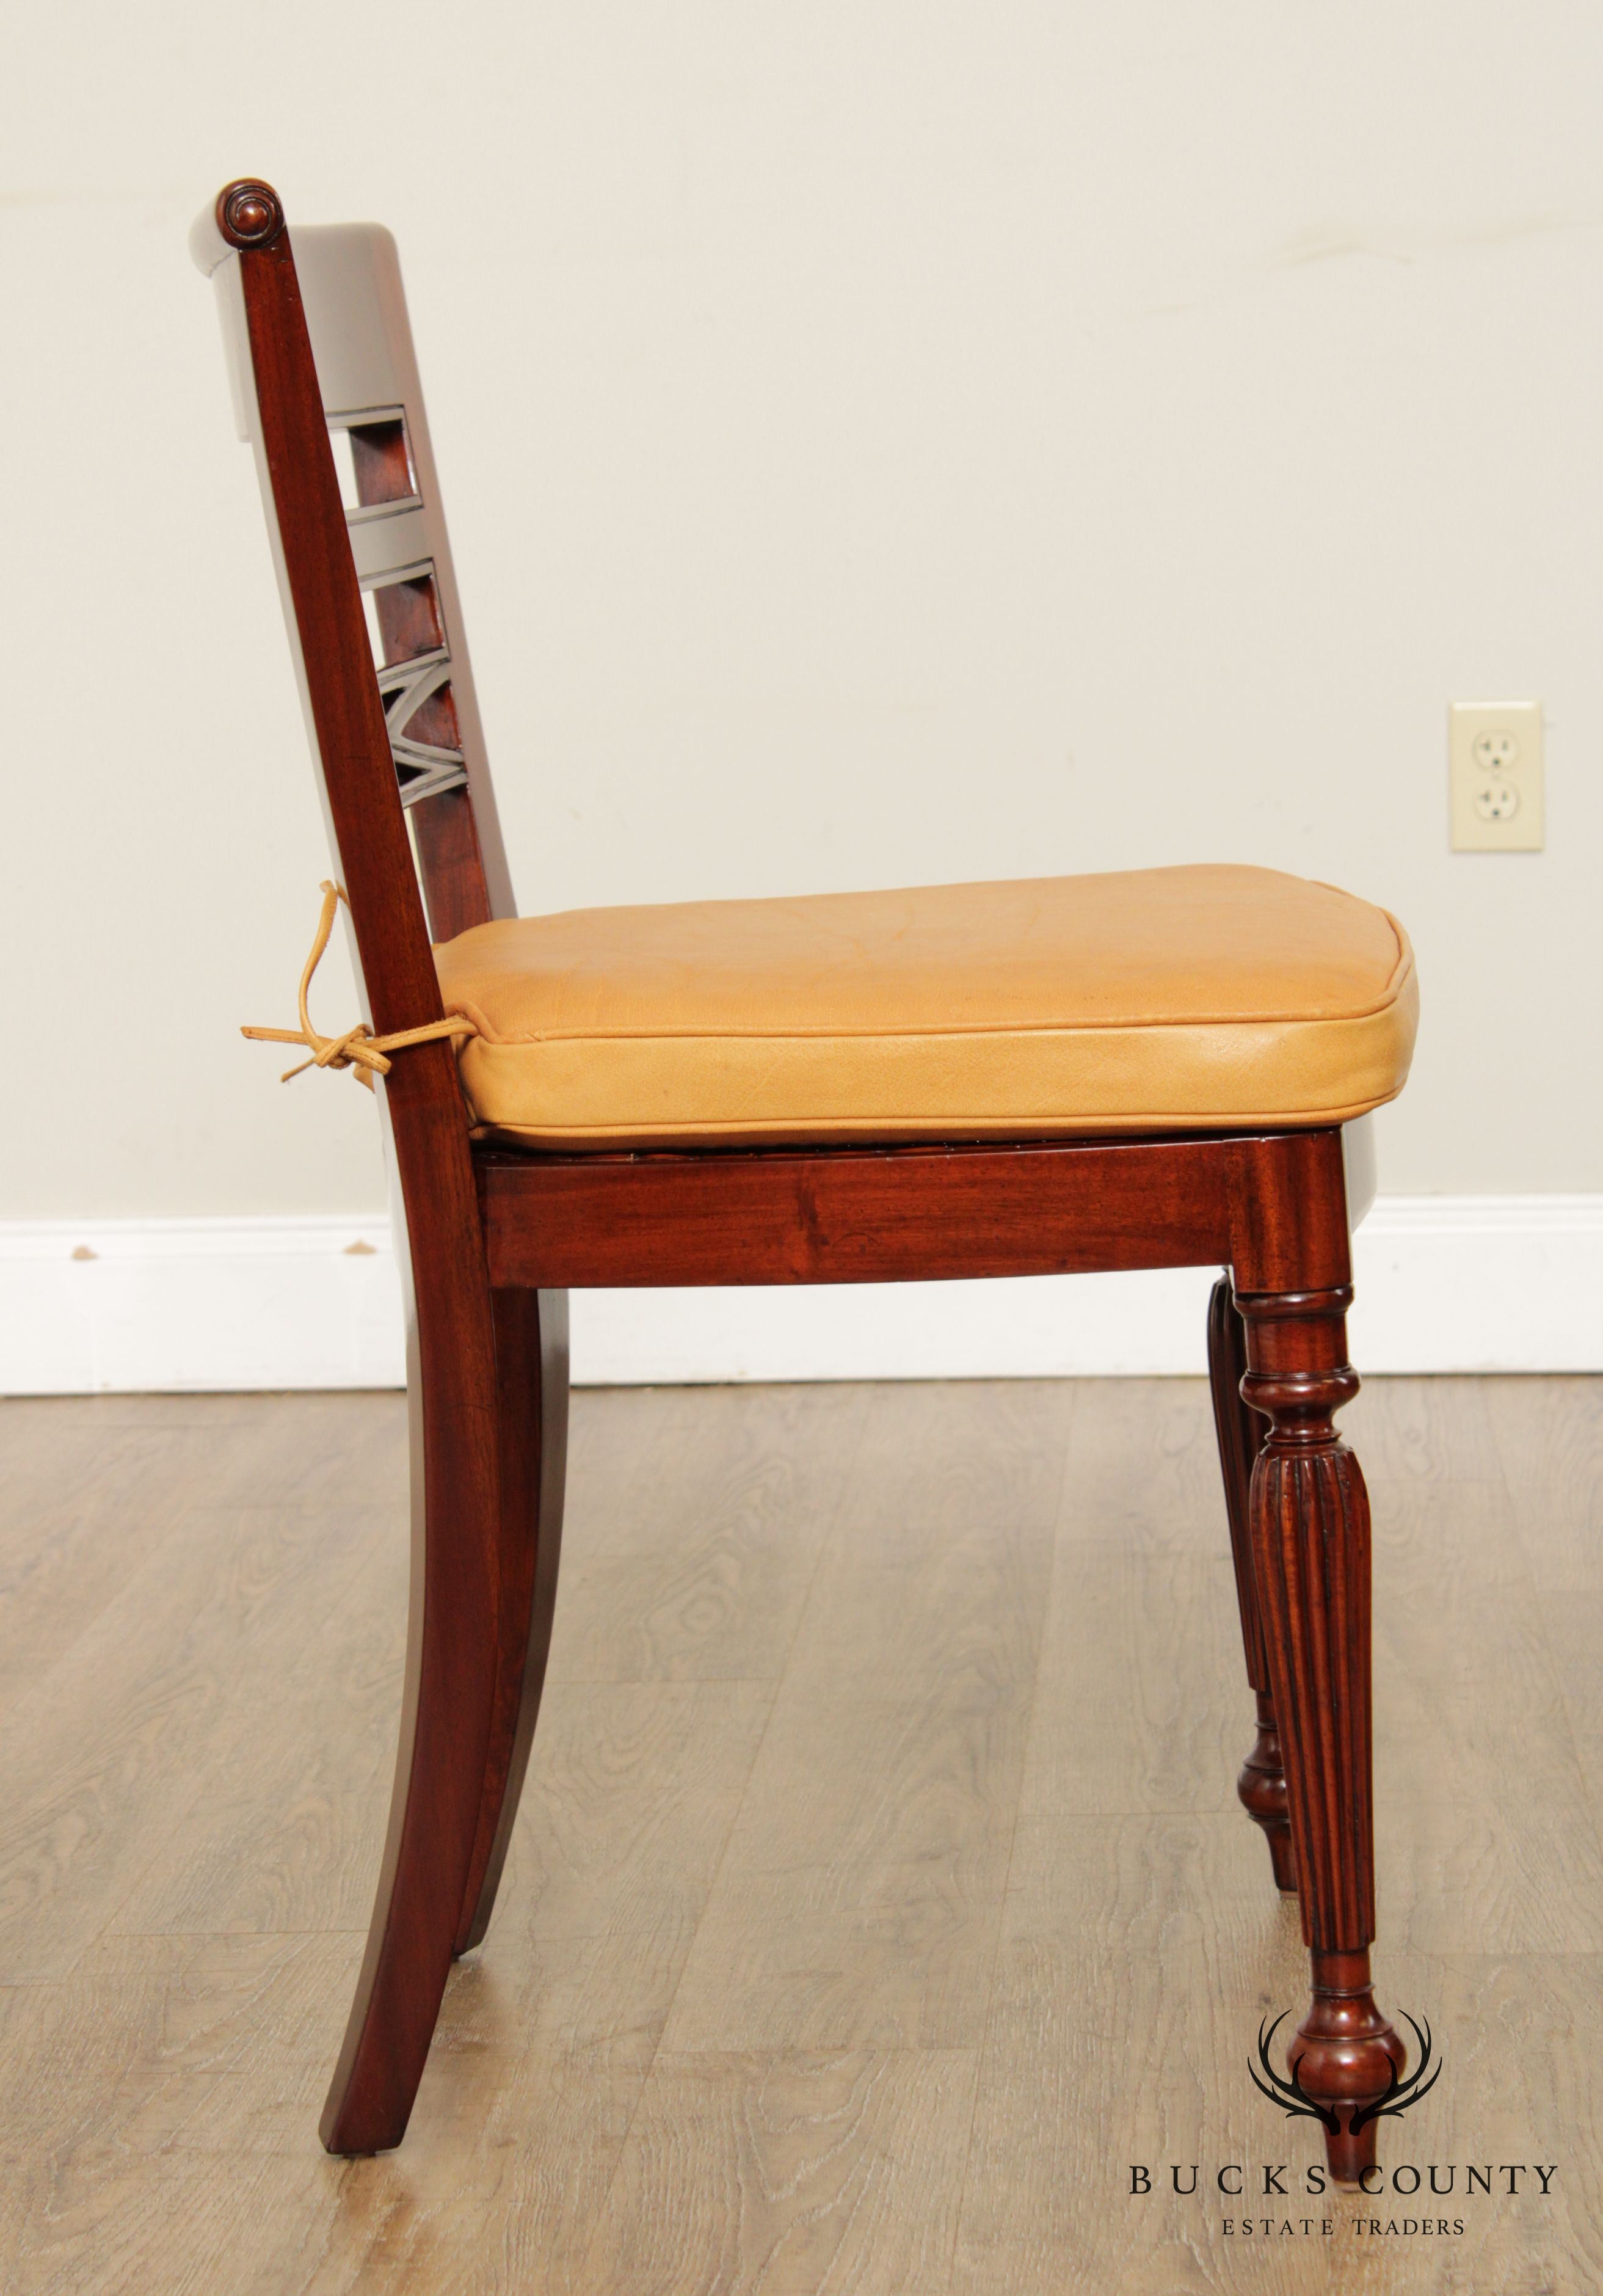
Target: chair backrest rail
[{"x": 342, "y": 284}]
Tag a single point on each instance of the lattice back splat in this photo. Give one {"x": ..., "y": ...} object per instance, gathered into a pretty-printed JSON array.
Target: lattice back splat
[{"x": 349, "y": 282}]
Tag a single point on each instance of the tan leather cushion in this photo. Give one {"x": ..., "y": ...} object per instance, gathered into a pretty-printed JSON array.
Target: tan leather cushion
[{"x": 1142, "y": 1000}]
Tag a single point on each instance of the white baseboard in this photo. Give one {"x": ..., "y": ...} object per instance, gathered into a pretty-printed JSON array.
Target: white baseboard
[
  {"x": 1444, "y": 1283},
  {"x": 107, "y": 1307}
]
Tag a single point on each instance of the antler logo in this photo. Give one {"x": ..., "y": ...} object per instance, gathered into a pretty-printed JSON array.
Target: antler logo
[{"x": 1291, "y": 2095}]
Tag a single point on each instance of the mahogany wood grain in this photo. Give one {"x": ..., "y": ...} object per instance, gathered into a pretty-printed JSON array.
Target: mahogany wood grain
[
  {"x": 1261, "y": 1784},
  {"x": 531, "y": 1378},
  {"x": 452, "y": 1658},
  {"x": 855, "y": 1215},
  {"x": 450, "y": 863}
]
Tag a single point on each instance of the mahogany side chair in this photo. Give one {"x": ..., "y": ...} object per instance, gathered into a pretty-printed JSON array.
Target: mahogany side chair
[{"x": 1152, "y": 1068}]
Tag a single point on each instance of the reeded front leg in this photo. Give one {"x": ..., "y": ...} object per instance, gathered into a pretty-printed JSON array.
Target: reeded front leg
[
  {"x": 1311, "y": 1555},
  {"x": 1261, "y": 1784}
]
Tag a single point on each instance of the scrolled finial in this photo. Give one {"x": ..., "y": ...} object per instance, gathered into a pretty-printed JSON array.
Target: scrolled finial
[{"x": 250, "y": 214}]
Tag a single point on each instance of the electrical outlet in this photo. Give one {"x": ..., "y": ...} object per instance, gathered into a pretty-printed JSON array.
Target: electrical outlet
[{"x": 1495, "y": 791}]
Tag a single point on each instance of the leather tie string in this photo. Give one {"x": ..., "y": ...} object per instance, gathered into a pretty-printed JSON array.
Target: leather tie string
[{"x": 358, "y": 1048}]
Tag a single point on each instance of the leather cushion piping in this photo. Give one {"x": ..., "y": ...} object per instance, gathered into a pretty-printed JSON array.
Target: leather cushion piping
[{"x": 1172, "y": 999}]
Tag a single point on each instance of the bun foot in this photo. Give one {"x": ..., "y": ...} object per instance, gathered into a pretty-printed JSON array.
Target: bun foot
[
  {"x": 1284, "y": 1864},
  {"x": 1261, "y": 1789},
  {"x": 1345, "y": 2056},
  {"x": 1349, "y": 2156}
]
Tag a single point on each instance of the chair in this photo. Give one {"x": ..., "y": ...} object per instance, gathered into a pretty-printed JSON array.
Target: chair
[{"x": 1154, "y": 1070}]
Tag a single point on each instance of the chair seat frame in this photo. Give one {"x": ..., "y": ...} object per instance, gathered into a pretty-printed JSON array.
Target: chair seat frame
[{"x": 491, "y": 1239}]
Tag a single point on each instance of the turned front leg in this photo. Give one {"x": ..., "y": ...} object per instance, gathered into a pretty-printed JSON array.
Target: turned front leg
[
  {"x": 1261, "y": 1784},
  {"x": 1311, "y": 1558}
]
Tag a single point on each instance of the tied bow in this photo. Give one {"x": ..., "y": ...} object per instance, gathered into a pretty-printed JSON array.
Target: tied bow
[{"x": 358, "y": 1048}]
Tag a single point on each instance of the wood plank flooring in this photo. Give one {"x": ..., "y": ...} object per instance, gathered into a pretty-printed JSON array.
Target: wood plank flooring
[{"x": 881, "y": 1896}]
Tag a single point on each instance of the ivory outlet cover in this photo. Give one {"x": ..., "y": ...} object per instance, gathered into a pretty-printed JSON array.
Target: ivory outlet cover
[{"x": 1496, "y": 796}]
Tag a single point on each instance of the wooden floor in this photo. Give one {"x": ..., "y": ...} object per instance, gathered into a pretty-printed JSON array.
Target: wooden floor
[{"x": 881, "y": 1894}]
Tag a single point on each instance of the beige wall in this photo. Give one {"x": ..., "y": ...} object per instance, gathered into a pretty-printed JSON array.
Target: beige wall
[{"x": 882, "y": 442}]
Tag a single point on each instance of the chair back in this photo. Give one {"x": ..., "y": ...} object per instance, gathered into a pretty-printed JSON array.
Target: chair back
[
  {"x": 326, "y": 389},
  {"x": 319, "y": 350}
]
